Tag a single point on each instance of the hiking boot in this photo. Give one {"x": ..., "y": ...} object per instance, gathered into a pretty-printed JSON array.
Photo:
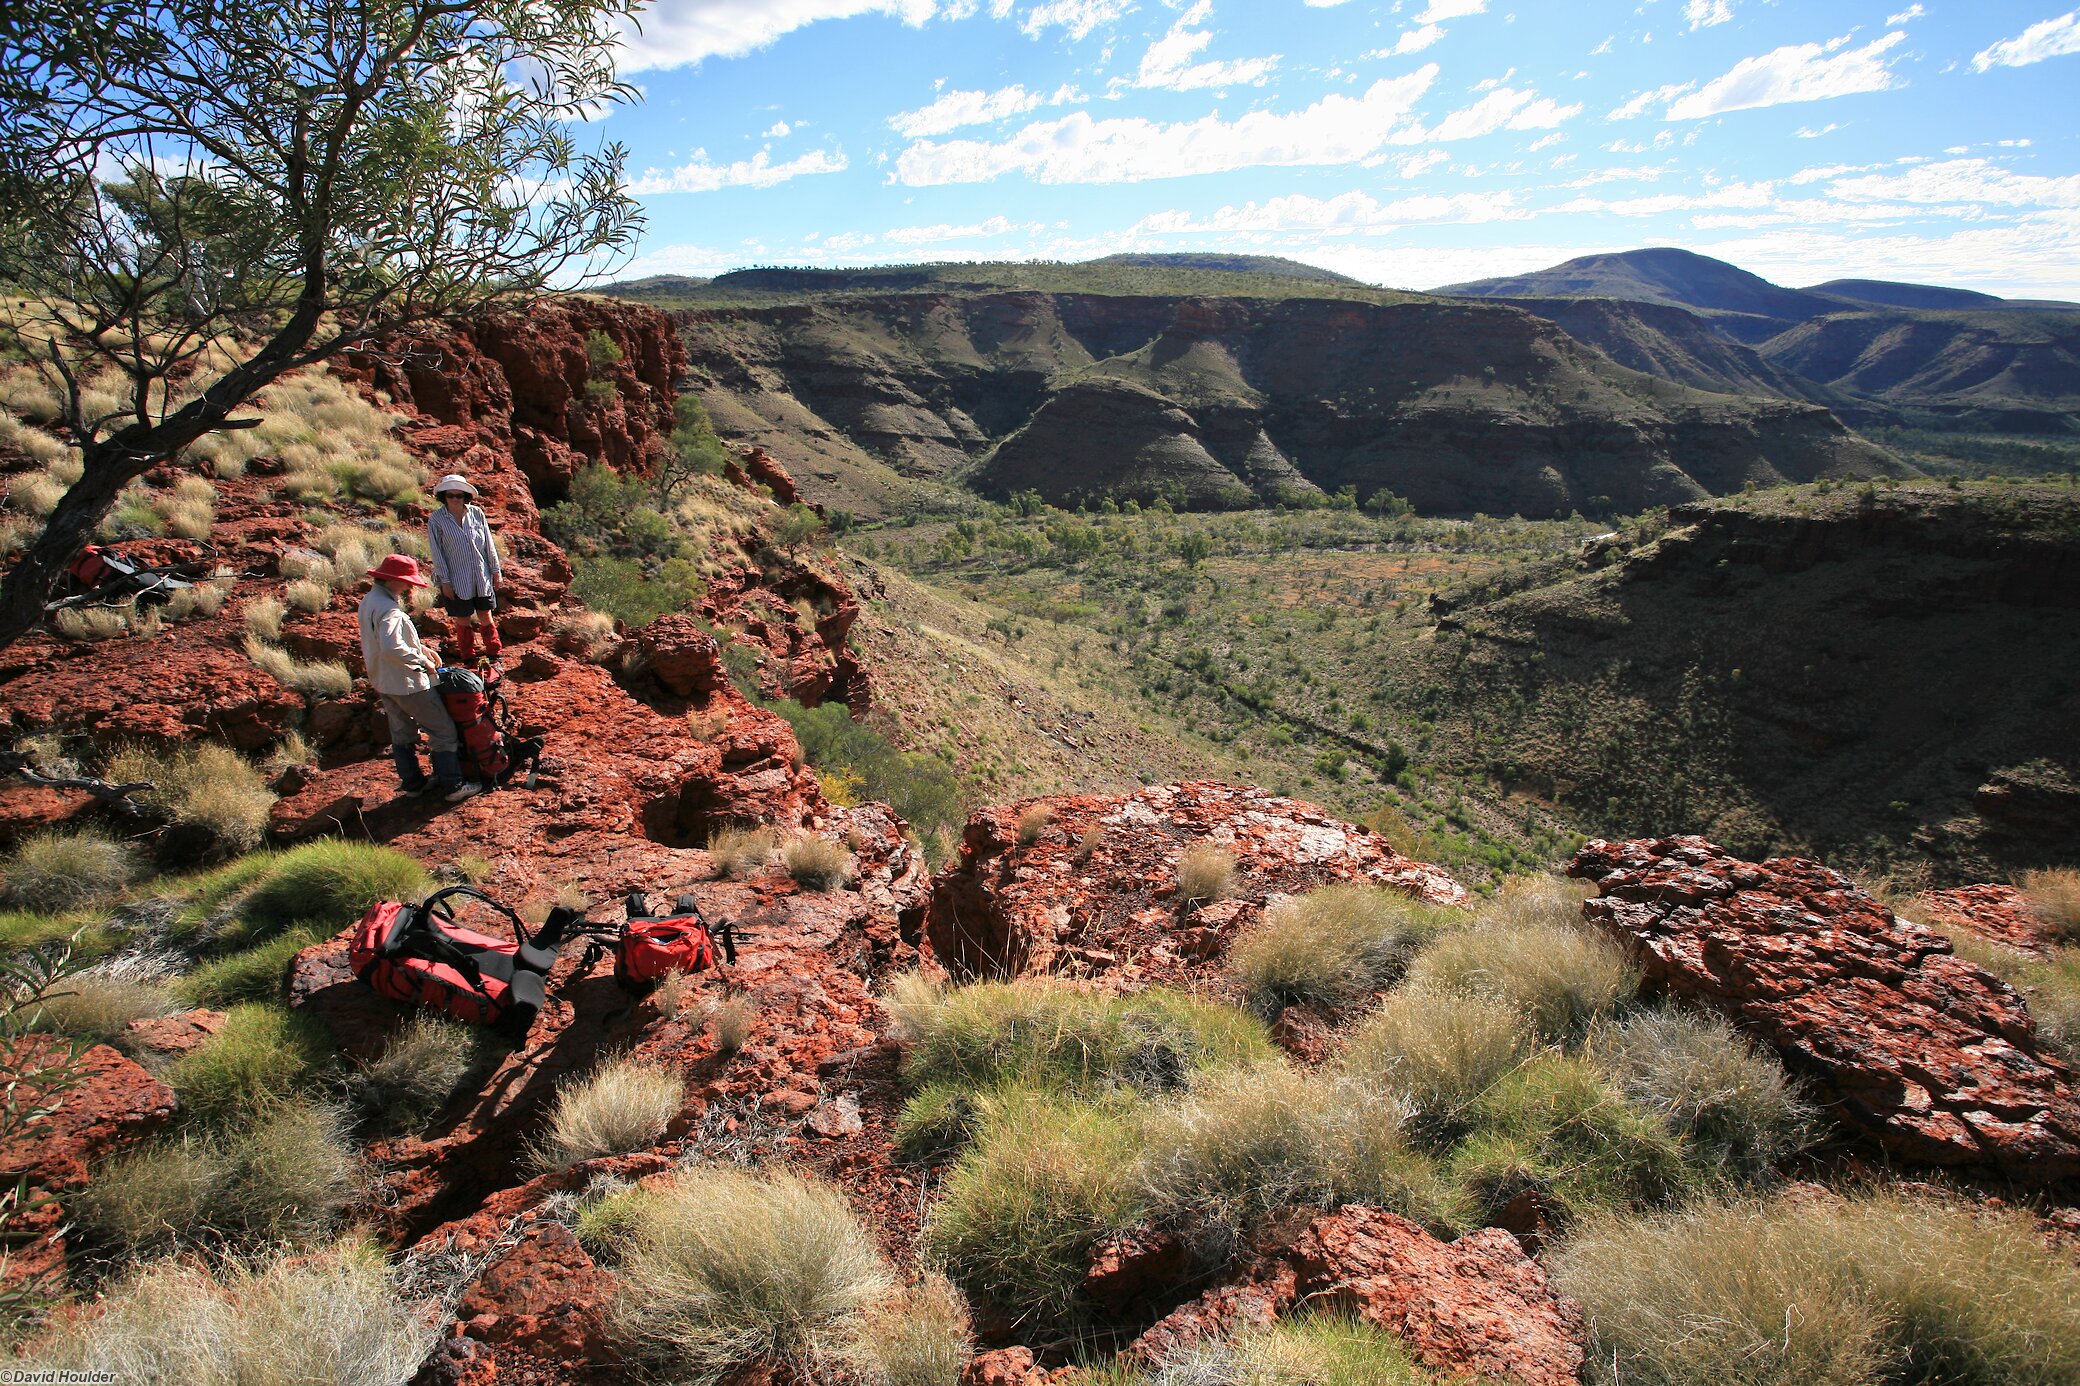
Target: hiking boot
[
  {"x": 415, "y": 791},
  {"x": 467, "y": 789}
]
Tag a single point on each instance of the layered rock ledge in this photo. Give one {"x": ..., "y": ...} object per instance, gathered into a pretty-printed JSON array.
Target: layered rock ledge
[{"x": 1934, "y": 1058}]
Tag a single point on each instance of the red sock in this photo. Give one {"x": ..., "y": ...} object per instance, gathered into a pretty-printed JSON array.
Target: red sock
[
  {"x": 491, "y": 641},
  {"x": 465, "y": 638}
]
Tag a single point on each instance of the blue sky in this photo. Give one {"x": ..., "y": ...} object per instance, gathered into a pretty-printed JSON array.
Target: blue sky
[{"x": 1410, "y": 144}]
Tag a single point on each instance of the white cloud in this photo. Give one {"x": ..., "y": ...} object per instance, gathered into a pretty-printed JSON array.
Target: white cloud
[
  {"x": 1079, "y": 17},
  {"x": 1703, "y": 14},
  {"x": 672, "y": 33},
  {"x": 2049, "y": 39},
  {"x": 1168, "y": 62},
  {"x": 1441, "y": 10},
  {"x": 1637, "y": 106},
  {"x": 1661, "y": 204},
  {"x": 1415, "y": 40},
  {"x": 1796, "y": 72},
  {"x": 759, "y": 171},
  {"x": 1602, "y": 48},
  {"x": 958, "y": 108},
  {"x": 928, "y": 235},
  {"x": 1347, "y": 213},
  {"x": 1807, "y": 132},
  {"x": 1973, "y": 182},
  {"x": 1905, "y": 16},
  {"x": 1416, "y": 165},
  {"x": 1499, "y": 109},
  {"x": 1077, "y": 149},
  {"x": 778, "y": 130}
]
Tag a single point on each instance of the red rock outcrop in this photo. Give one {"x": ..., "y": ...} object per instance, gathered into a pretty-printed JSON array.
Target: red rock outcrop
[
  {"x": 553, "y": 388},
  {"x": 1999, "y": 913},
  {"x": 1906, "y": 1042},
  {"x": 1476, "y": 1307},
  {"x": 110, "y": 1103},
  {"x": 1095, "y": 892}
]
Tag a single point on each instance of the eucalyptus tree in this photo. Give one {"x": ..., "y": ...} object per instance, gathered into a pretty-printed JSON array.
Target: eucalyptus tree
[{"x": 297, "y": 177}]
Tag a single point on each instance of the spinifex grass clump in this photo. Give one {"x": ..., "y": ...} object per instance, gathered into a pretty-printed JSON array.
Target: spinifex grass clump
[
  {"x": 264, "y": 1055},
  {"x": 53, "y": 872},
  {"x": 724, "y": 1268},
  {"x": 1045, "y": 1178},
  {"x": 1046, "y": 1034},
  {"x": 286, "y": 1175},
  {"x": 622, "y": 1105},
  {"x": 1333, "y": 946},
  {"x": 1730, "y": 1102},
  {"x": 283, "y": 1320},
  {"x": 1876, "y": 1288},
  {"x": 204, "y": 787},
  {"x": 1244, "y": 1142}
]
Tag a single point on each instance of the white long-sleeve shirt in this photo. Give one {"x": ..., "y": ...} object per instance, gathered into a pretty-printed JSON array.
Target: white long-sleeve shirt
[
  {"x": 465, "y": 555},
  {"x": 397, "y": 662}
]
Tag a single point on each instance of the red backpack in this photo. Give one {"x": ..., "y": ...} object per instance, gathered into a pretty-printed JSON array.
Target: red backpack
[
  {"x": 476, "y": 704},
  {"x": 418, "y": 954}
]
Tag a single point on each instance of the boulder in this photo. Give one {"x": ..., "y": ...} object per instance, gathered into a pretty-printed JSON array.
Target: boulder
[
  {"x": 683, "y": 655},
  {"x": 1998, "y": 913},
  {"x": 1934, "y": 1058},
  {"x": 174, "y": 1035},
  {"x": 545, "y": 1297},
  {"x": 1098, "y": 883},
  {"x": 1476, "y": 1307}
]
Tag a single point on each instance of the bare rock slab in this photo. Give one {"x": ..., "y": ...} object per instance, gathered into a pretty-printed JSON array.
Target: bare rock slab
[{"x": 1934, "y": 1058}]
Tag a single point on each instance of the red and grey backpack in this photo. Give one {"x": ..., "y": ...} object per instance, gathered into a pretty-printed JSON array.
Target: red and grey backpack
[
  {"x": 420, "y": 955},
  {"x": 476, "y": 703}
]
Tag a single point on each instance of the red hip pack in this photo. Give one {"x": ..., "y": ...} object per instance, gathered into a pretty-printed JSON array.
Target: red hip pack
[{"x": 650, "y": 947}]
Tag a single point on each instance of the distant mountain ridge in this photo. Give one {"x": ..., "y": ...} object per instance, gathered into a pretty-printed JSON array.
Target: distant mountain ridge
[{"x": 1877, "y": 351}]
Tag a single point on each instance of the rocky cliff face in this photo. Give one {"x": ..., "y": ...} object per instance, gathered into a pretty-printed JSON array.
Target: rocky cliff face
[{"x": 1460, "y": 407}]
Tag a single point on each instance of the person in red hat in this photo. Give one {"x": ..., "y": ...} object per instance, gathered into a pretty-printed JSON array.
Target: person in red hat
[{"x": 401, "y": 671}]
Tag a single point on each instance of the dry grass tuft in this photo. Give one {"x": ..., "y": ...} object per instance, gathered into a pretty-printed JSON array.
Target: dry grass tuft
[
  {"x": 1553, "y": 970},
  {"x": 313, "y": 678},
  {"x": 733, "y": 1020},
  {"x": 728, "y": 1267},
  {"x": 285, "y": 1320},
  {"x": 816, "y": 863},
  {"x": 1732, "y": 1103},
  {"x": 1876, "y": 1287},
  {"x": 589, "y": 632},
  {"x": 2055, "y": 896},
  {"x": 98, "y": 1007},
  {"x": 1440, "y": 1054},
  {"x": 52, "y": 873},
  {"x": 310, "y": 594},
  {"x": 1205, "y": 873},
  {"x": 1332, "y": 946},
  {"x": 264, "y": 619},
  {"x": 919, "y": 1336},
  {"x": 1032, "y": 824},
  {"x": 417, "y": 1072},
  {"x": 739, "y": 851},
  {"x": 1244, "y": 1142},
  {"x": 621, "y": 1106},
  {"x": 203, "y": 786}
]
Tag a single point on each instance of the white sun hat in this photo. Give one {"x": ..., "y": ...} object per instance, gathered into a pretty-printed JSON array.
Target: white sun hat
[{"x": 454, "y": 481}]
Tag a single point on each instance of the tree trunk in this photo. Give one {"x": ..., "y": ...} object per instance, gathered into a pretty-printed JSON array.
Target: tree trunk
[{"x": 28, "y": 585}]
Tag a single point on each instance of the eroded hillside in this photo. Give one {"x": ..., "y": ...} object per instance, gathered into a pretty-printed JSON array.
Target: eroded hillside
[
  {"x": 1226, "y": 402},
  {"x": 1885, "y": 676}
]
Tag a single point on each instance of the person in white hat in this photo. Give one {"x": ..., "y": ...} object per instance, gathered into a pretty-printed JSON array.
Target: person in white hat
[{"x": 465, "y": 564}]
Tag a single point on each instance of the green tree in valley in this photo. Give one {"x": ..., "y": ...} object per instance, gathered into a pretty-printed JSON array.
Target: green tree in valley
[{"x": 197, "y": 196}]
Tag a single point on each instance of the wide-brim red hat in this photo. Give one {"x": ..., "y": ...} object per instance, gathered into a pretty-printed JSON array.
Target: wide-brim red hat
[{"x": 402, "y": 566}]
